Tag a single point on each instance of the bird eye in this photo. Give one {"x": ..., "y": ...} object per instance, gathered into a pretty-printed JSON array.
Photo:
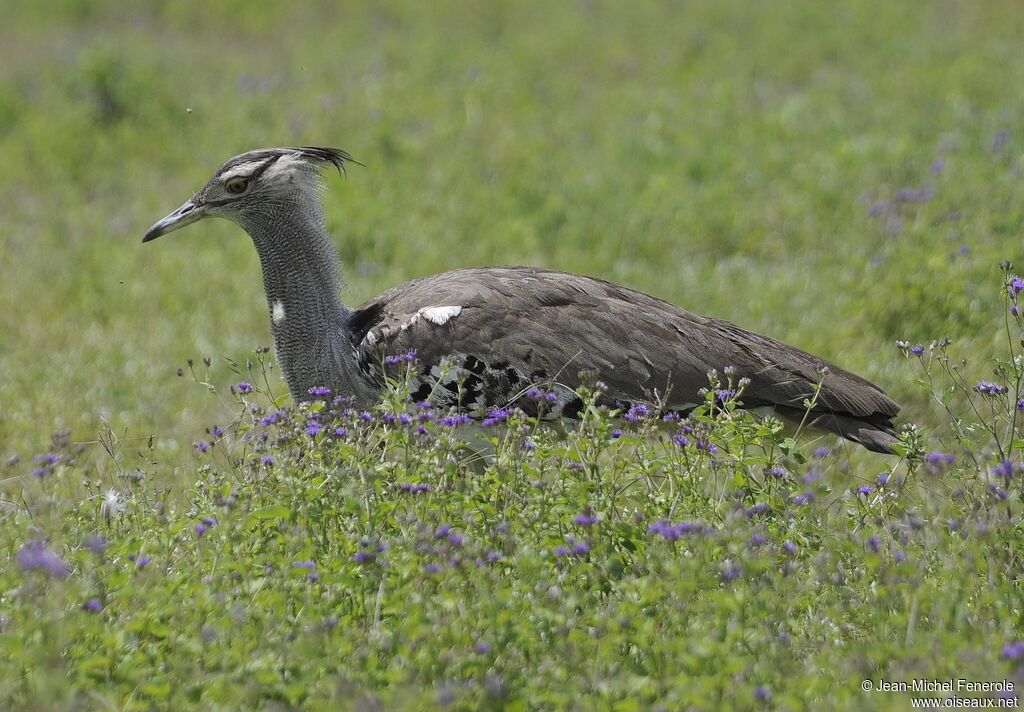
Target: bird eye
[{"x": 236, "y": 186}]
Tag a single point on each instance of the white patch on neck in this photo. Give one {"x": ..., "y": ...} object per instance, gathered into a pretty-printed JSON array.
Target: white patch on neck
[{"x": 277, "y": 312}]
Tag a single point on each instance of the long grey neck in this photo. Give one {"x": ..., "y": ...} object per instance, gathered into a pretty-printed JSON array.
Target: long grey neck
[{"x": 309, "y": 321}]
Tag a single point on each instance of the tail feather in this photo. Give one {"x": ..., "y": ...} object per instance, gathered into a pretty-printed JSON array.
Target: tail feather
[
  {"x": 876, "y": 432},
  {"x": 877, "y": 437}
]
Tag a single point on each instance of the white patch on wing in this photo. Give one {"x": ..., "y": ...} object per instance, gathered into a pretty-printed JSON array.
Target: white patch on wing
[
  {"x": 440, "y": 315},
  {"x": 435, "y": 315},
  {"x": 277, "y": 312}
]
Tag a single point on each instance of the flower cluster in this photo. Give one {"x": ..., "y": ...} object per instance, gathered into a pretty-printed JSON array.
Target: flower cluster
[
  {"x": 396, "y": 359},
  {"x": 36, "y": 555},
  {"x": 675, "y": 531},
  {"x": 989, "y": 389}
]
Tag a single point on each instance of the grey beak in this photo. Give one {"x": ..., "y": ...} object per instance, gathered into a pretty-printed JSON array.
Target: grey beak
[{"x": 187, "y": 214}]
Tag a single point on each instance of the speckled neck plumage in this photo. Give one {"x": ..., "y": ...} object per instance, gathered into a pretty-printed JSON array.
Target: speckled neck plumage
[{"x": 309, "y": 321}]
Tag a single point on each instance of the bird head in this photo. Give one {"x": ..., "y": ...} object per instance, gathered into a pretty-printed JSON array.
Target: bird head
[{"x": 252, "y": 180}]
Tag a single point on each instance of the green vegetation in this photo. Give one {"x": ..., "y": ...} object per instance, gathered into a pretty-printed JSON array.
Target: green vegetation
[{"x": 838, "y": 176}]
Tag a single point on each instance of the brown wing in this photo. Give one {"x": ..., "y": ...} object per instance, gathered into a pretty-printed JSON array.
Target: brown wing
[{"x": 552, "y": 325}]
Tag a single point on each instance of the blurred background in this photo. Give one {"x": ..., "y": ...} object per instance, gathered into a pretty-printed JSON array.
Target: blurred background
[{"x": 836, "y": 175}]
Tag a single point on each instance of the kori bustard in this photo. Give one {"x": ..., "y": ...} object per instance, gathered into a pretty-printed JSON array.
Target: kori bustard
[{"x": 499, "y": 330}]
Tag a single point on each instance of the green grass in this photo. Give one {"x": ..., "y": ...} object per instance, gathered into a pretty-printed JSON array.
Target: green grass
[{"x": 721, "y": 155}]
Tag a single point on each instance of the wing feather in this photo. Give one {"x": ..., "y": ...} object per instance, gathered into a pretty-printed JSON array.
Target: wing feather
[{"x": 558, "y": 324}]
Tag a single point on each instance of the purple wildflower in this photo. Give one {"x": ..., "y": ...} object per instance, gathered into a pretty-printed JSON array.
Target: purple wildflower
[
  {"x": 201, "y": 529},
  {"x": 616, "y": 434},
  {"x": 307, "y": 564},
  {"x": 267, "y": 460},
  {"x": 883, "y": 479},
  {"x": 899, "y": 557},
  {"x": 724, "y": 394},
  {"x": 1015, "y": 287},
  {"x": 217, "y": 431},
  {"x": 456, "y": 420},
  {"x": 244, "y": 387},
  {"x": 914, "y": 195},
  {"x": 673, "y": 532},
  {"x": 821, "y": 452},
  {"x": 680, "y": 440},
  {"x": 637, "y": 412},
  {"x": 999, "y": 492},
  {"x": 535, "y": 394},
  {"x": 936, "y": 462},
  {"x": 96, "y": 544},
  {"x": 803, "y": 498},
  {"x": 757, "y": 510},
  {"x": 790, "y": 547},
  {"x": 989, "y": 389},
  {"x": 812, "y": 477},
  {"x": 731, "y": 572},
  {"x": 758, "y": 540},
  {"x": 874, "y": 543},
  {"x": 762, "y": 694},
  {"x": 142, "y": 561},
  {"x": 401, "y": 358},
  {"x": 585, "y": 519},
  {"x": 432, "y": 568},
  {"x": 37, "y": 556},
  {"x": 313, "y": 428},
  {"x": 414, "y": 488},
  {"x": 364, "y": 557},
  {"x": 482, "y": 647},
  {"x": 865, "y": 490},
  {"x": 496, "y": 416},
  {"x": 707, "y": 446},
  {"x": 917, "y": 350},
  {"x": 93, "y": 605},
  {"x": 1014, "y": 650},
  {"x": 319, "y": 391},
  {"x": 201, "y": 446},
  {"x": 938, "y": 165},
  {"x": 272, "y": 418},
  {"x": 1005, "y": 469},
  {"x": 573, "y": 547},
  {"x": 775, "y": 472}
]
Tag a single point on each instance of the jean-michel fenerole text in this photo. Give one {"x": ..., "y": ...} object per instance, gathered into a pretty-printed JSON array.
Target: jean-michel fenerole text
[{"x": 957, "y": 685}]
